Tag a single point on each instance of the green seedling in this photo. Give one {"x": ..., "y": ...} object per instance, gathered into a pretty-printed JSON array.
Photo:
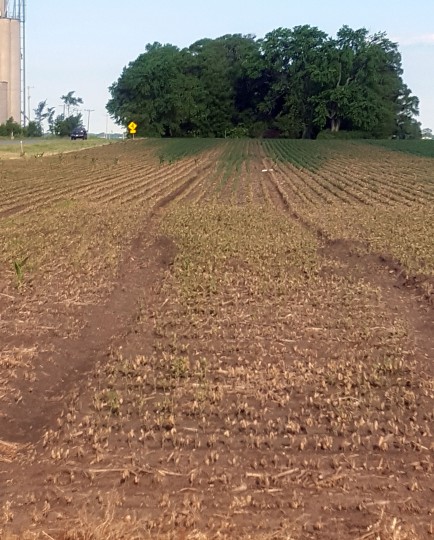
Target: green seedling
[
  {"x": 108, "y": 399},
  {"x": 19, "y": 269}
]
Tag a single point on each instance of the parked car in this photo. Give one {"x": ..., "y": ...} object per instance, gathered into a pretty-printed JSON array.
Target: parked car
[{"x": 78, "y": 133}]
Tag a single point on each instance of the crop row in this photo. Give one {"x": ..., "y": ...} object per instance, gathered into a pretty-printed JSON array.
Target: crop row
[
  {"x": 386, "y": 203},
  {"x": 123, "y": 182},
  {"x": 345, "y": 179}
]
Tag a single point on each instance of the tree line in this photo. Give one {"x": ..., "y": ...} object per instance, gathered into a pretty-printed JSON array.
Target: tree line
[
  {"x": 292, "y": 83},
  {"x": 60, "y": 125}
]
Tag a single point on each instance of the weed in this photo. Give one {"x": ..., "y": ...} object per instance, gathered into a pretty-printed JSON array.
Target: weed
[
  {"x": 179, "y": 367},
  {"x": 108, "y": 399},
  {"x": 19, "y": 269}
]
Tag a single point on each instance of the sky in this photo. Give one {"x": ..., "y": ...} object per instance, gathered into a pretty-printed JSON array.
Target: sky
[{"x": 84, "y": 45}]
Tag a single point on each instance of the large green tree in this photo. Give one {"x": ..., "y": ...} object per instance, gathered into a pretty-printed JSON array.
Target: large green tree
[
  {"x": 158, "y": 92},
  {"x": 294, "y": 58},
  {"x": 225, "y": 68},
  {"x": 63, "y": 125},
  {"x": 201, "y": 90},
  {"x": 293, "y": 82}
]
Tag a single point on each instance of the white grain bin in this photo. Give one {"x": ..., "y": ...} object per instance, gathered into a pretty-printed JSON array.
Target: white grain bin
[
  {"x": 3, "y": 101},
  {"x": 10, "y": 65}
]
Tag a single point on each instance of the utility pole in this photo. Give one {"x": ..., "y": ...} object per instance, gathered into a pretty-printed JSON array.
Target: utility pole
[
  {"x": 28, "y": 103},
  {"x": 88, "y": 117},
  {"x": 23, "y": 25},
  {"x": 22, "y": 17}
]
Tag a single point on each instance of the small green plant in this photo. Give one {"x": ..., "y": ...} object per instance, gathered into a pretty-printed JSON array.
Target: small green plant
[
  {"x": 19, "y": 269},
  {"x": 108, "y": 399},
  {"x": 179, "y": 367}
]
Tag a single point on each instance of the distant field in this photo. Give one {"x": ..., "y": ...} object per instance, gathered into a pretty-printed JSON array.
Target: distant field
[
  {"x": 207, "y": 339},
  {"x": 423, "y": 148}
]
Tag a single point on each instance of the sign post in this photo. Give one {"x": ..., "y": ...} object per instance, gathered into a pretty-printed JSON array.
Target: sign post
[{"x": 132, "y": 126}]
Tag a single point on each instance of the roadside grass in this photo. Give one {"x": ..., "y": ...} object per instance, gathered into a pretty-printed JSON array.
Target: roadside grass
[{"x": 47, "y": 147}]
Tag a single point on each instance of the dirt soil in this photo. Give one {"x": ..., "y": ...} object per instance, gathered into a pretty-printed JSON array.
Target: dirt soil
[{"x": 142, "y": 415}]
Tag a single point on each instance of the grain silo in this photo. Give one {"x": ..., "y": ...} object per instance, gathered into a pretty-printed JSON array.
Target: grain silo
[{"x": 11, "y": 55}]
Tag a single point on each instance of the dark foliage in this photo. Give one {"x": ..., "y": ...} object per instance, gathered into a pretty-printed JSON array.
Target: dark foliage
[{"x": 292, "y": 83}]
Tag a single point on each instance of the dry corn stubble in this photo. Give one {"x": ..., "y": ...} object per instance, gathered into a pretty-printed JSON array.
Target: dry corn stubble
[
  {"x": 281, "y": 397},
  {"x": 256, "y": 387}
]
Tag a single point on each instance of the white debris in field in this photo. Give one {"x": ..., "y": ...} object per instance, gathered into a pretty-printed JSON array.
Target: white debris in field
[{"x": 267, "y": 170}]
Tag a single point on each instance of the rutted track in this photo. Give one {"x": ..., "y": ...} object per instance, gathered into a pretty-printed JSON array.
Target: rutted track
[{"x": 264, "y": 372}]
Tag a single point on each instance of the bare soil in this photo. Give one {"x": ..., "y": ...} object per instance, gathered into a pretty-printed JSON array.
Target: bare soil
[{"x": 239, "y": 414}]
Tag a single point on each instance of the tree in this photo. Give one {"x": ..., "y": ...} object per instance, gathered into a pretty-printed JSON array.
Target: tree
[
  {"x": 50, "y": 118},
  {"x": 33, "y": 129},
  {"x": 159, "y": 92},
  {"x": 361, "y": 82},
  {"x": 203, "y": 90},
  {"x": 9, "y": 128},
  {"x": 293, "y": 82},
  {"x": 294, "y": 58},
  {"x": 40, "y": 115},
  {"x": 341, "y": 94},
  {"x": 71, "y": 101},
  {"x": 408, "y": 108},
  {"x": 276, "y": 107},
  {"x": 62, "y": 126},
  {"x": 227, "y": 69}
]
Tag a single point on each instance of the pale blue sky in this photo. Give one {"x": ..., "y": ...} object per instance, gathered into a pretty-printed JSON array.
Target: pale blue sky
[{"x": 84, "y": 45}]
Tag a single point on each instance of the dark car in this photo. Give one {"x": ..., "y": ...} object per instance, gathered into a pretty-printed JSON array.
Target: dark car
[{"x": 78, "y": 133}]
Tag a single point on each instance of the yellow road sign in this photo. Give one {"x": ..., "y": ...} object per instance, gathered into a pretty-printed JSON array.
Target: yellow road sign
[
  {"x": 132, "y": 126},
  {"x": 133, "y": 131}
]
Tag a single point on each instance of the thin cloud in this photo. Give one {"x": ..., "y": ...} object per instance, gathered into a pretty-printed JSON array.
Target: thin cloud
[{"x": 421, "y": 39}]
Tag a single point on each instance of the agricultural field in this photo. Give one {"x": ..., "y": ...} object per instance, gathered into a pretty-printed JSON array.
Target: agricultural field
[{"x": 218, "y": 339}]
